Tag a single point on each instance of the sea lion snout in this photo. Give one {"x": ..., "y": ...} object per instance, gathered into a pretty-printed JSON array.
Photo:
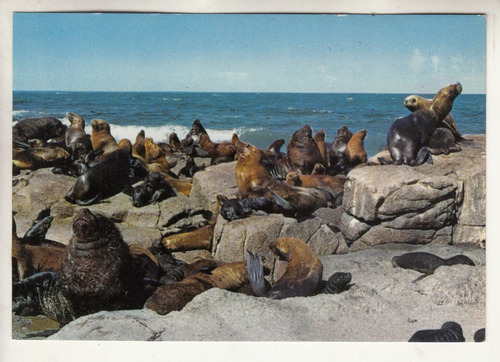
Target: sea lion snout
[{"x": 84, "y": 223}]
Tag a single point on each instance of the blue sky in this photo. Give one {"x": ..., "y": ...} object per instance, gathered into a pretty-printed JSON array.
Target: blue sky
[{"x": 253, "y": 53}]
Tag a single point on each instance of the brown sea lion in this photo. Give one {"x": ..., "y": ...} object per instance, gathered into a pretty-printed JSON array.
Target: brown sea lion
[
  {"x": 302, "y": 151},
  {"x": 254, "y": 181},
  {"x": 319, "y": 138},
  {"x": 174, "y": 142},
  {"x": 200, "y": 238},
  {"x": 157, "y": 159},
  {"x": 318, "y": 169},
  {"x": 408, "y": 136},
  {"x": 333, "y": 184},
  {"x": 303, "y": 274},
  {"x": 355, "y": 152},
  {"x": 105, "y": 179},
  {"x": 139, "y": 149},
  {"x": 77, "y": 141},
  {"x": 101, "y": 138},
  {"x": 215, "y": 150},
  {"x": 44, "y": 128},
  {"x": 170, "y": 297},
  {"x": 39, "y": 157}
]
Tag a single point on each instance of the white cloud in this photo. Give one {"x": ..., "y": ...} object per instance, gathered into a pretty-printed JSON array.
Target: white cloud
[
  {"x": 417, "y": 60},
  {"x": 456, "y": 62},
  {"x": 435, "y": 62}
]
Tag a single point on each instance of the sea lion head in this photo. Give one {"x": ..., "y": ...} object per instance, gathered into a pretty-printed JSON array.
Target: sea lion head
[
  {"x": 414, "y": 102},
  {"x": 153, "y": 151},
  {"x": 99, "y": 125},
  {"x": 125, "y": 145},
  {"x": 293, "y": 178},
  {"x": 173, "y": 141},
  {"x": 362, "y": 134},
  {"x": 235, "y": 139},
  {"x": 89, "y": 227},
  {"x": 75, "y": 119},
  {"x": 303, "y": 133},
  {"x": 443, "y": 101},
  {"x": 246, "y": 150},
  {"x": 320, "y": 135},
  {"x": 454, "y": 326},
  {"x": 281, "y": 248}
]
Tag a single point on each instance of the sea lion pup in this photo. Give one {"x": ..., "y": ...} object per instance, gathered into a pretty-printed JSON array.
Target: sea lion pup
[
  {"x": 98, "y": 273},
  {"x": 449, "y": 332},
  {"x": 190, "y": 168},
  {"x": 480, "y": 335},
  {"x": 414, "y": 103},
  {"x": 355, "y": 152},
  {"x": 139, "y": 149},
  {"x": 338, "y": 283},
  {"x": 200, "y": 238},
  {"x": 427, "y": 263},
  {"x": 174, "y": 142},
  {"x": 101, "y": 138},
  {"x": 232, "y": 209},
  {"x": 302, "y": 276},
  {"x": 319, "y": 138},
  {"x": 334, "y": 185},
  {"x": 77, "y": 141},
  {"x": 44, "y": 128},
  {"x": 170, "y": 297},
  {"x": 39, "y": 157},
  {"x": 153, "y": 190},
  {"x": 302, "y": 151},
  {"x": 193, "y": 136},
  {"x": 254, "y": 181},
  {"x": 105, "y": 179},
  {"x": 408, "y": 136},
  {"x": 218, "y": 150}
]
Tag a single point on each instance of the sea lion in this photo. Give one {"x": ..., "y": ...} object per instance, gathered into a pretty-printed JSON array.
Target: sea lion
[
  {"x": 174, "y": 142},
  {"x": 449, "y": 332},
  {"x": 442, "y": 141},
  {"x": 355, "y": 152},
  {"x": 427, "y": 263},
  {"x": 190, "y": 168},
  {"x": 77, "y": 141},
  {"x": 157, "y": 159},
  {"x": 480, "y": 335},
  {"x": 105, "y": 179},
  {"x": 414, "y": 103},
  {"x": 153, "y": 190},
  {"x": 336, "y": 150},
  {"x": 101, "y": 138},
  {"x": 193, "y": 136},
  {"x": 302, "y": 151},
  {"x": 138, "y": 149},
  {"x": 232, "y": 209},
  {"x": 170, "y": 297},
  {"x": 217, "y": 150},
  {"x": 319, "y": 138},
  {"x": 44, "y": 128},
  {"x": 333, "y": 184},
  {"x": 276, "y": 162},
  {"x": 302, "y": 276},
  {"x": 254, "y": 181},
  {"x": 337, "y": 283},
  {"x": 197, "y": 239},
  {"x": 318, "y": 169},
  {"x": 39, "y": 157},
  {"x": 408, "y": 136}
]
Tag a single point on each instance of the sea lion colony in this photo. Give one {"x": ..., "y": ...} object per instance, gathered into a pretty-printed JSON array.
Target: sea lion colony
[{"x": 98, "y": 271}]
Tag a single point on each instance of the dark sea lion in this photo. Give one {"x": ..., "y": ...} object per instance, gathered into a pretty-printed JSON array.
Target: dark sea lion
[
  {"x": 319, "y": 138},
  {"x": 254, "y": 181},
  {"x": 337, "y": 283},
  {"x": 232, "y": 209},
  {"x": 276, "y": 162},
  {"x": 101, "y": 138},
  {"x": 415, "y": 102},
  {"x": 408, "y": 136},
  {"x": 44, "y": 128},
  {"x": 336, "y": 151},
  {"x": 275, "y": 147},
  {"x": 318, "y": 169},
  {"x": 427, "y": 263},
  {"x": 153, "y": 190},
  {"x": 190, "y": 168},
  {"x": 138, "y": 148},
  {"x": 200, "y": 238},
  {"x": 449, "y": 332},
  {"x": 105, "y": 179},
  {"x": 174, "y": 142},
  {"x": 442, "y": 141},
  {"x": 302, "y": 276},
  {"x": 302, "y": 151},
  {"x": 193, "y": 136},
  {"x": 170, "y": 297},
  {"x": 355, "y": 152},
  {"x": 77, "y": 141},
  {"x": 480, "y": 335},
  {"x": 39, "y": 157}
]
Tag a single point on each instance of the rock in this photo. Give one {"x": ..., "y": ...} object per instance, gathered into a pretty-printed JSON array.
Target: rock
[
  {"x": 382, "y": 305},
  {"x": 214, "y": 180}
]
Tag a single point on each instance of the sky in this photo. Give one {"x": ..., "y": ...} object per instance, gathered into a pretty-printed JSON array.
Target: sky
[{"x": 248, "y": 53}]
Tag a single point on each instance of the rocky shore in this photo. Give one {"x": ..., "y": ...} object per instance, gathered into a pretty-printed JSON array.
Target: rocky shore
[{"x": 386, "y": 211}]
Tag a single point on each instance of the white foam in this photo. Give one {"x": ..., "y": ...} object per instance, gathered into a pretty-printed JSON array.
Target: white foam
[{"x": 19, "y": 112}]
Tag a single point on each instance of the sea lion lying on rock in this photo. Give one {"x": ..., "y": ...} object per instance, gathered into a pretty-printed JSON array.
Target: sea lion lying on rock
[
  {"x": 153, "y": 190},
  {"x": 449, "y": 332},
  {"x": 44, "y": 128},
  {"x": 98, "y": 273},
  {"x": 39, "y": 157},
  {"x": 232, "y": 209},
  {"x": 200, "y": 238},
  {"x": 408, "y": 136}
]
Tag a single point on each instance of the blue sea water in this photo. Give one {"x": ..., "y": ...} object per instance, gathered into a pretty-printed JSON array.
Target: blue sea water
[{"x": 258, "y": 118}]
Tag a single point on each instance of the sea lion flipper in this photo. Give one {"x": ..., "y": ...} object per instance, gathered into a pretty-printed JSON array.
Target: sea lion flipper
[
  {"x": 384, "y": 161},
  {"x": 87, "y": 202},
  {"x": 256, "y": 273},
  {"x": 420, "y": 278},
  {"x": 36, "y": 233},
  {"x": 281, "y": 202}
]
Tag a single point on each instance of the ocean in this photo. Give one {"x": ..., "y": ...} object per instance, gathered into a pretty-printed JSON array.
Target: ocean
[{"x": 257, "y": 118}]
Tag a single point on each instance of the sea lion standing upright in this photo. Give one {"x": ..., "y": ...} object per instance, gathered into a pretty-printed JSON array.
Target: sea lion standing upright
[
  {"x": 193, "y": 136},
  {"x": 138, "y": 148},
  {"x": 302, "y": 151},
  {"x": 407, "y": 137},
  {"x": 355, "y": 152},
  {"x": 76, "y": 139},
  {"x": 336, "y": 150},
  {"x": 101, "y": 138},
  {"x": 319, "y": 138}
]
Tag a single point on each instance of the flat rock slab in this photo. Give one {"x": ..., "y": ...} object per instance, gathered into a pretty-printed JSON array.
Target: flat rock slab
[{"x": 382, "y": 305}]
